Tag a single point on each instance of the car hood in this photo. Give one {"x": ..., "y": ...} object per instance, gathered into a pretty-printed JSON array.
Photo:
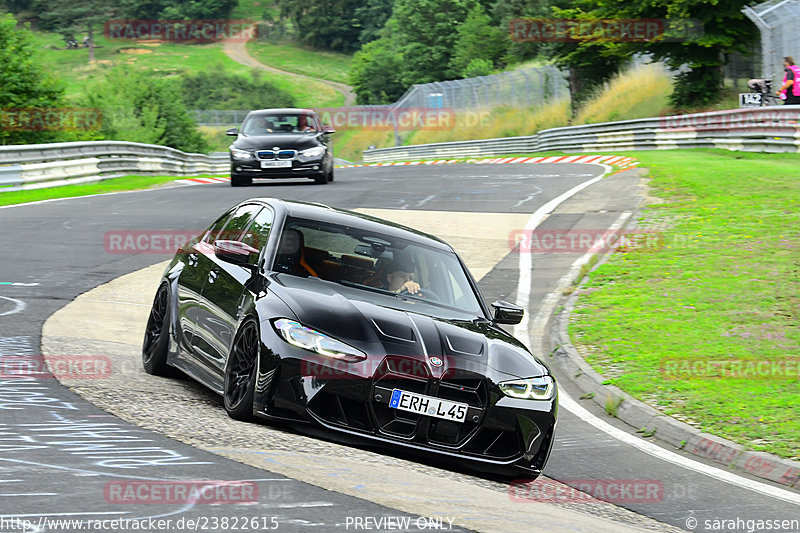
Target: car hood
[
  {"x": 369, "y": 322},
  {"x": 292, "y": 141}
]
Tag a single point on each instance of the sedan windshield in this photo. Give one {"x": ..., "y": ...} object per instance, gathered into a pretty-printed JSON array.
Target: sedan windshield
[
  {"x": 375, "y": 263},
  {"x": 279, "y": 123}
]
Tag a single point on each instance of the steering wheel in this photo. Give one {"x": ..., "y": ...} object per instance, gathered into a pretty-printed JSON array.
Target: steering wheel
[{"x": 425, "y": 293}]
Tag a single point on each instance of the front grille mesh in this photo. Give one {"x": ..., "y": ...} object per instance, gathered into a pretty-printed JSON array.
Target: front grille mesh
[{"x": 414, "y": 376}]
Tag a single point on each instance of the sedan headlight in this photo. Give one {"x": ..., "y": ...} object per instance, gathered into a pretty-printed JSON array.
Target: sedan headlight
[
  {"x": 542, "y": 388},
  {"x": 241, "y": 154},
  {"x": 298, "y": 335},
  {"x": 316, "y": 151}
]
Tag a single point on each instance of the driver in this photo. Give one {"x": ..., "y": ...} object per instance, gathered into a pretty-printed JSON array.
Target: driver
[
  {"x": 263, "y": 125},
  {"x": 400, "y": 277}
]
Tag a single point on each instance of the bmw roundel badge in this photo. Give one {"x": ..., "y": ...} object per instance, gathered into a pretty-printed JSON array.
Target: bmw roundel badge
[{"x": 435, "y": 361}]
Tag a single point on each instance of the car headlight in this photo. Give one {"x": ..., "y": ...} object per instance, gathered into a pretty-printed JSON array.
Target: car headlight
[
  {"x": 298, "y": 335},
  {"x": 316, "y": 151},
  {"x": 542, "y": 388},
  {"x": 241, "y": 154}
]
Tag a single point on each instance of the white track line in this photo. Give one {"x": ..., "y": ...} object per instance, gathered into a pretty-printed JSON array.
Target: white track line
[
  {"x": 19, "y": 306},
  {"x": 568, "y": 403}
]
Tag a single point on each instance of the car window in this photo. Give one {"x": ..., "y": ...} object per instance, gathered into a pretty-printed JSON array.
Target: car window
[
  {"x": 257, "y": 233},
  {"x": 239, "y": 220},
  {"x": 279, "y": 123},
  {"x": 216, "y": 227},
  {"x": 365, "y": 259}
]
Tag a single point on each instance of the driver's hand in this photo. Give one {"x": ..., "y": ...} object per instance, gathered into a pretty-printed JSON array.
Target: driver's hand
[{"x": 411, "y": 286}]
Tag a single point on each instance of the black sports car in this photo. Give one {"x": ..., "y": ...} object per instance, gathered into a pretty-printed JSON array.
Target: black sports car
[
  {"x": 337, "y": 321},
  {"x": 281, "y": 143}
]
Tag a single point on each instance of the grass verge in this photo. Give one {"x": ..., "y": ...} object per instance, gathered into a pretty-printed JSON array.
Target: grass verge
[
  {"x": 684, "y": 325},
  {"x": 125, "y": 183},
  {"x": 295, "y": 58}
]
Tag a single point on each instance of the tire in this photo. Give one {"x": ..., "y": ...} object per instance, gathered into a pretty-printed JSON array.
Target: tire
[
  {"x": 322, "y": 179},
  {"x": 240, "y": 373},
  {"x": 330, "y": 175},
  {"x": 156, "y": 336},
  {"x": 241, "y": 181}
]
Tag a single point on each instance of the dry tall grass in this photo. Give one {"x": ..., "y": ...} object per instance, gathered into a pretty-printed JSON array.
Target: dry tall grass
[{"x": 637, "y": 93}]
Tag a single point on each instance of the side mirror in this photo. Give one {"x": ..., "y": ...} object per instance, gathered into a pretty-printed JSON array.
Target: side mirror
[
  {"x": 507, "y": 313},
  {"x": 236, "y": 253},
  {"x": 233, "y": 132},
  {"x": 328, "y": 129}
]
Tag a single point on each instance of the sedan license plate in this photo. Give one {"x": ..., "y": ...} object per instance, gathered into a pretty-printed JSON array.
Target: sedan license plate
[
  {"x": 427, "y": 405},
  {"x": 276, "y": 164}
]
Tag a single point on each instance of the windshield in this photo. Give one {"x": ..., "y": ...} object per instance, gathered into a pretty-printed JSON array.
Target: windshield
[
  {"x": 375, "y": 263},
  {"x": 279, "y": 123}
]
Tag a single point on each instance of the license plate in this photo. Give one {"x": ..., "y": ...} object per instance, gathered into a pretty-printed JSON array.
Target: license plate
[
  {"x": 427, "y": 405},
  {"x": 276, "y": 164}
]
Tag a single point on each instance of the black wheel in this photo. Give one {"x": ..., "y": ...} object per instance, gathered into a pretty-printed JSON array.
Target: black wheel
[
  {"x": 322, "y": 179},
  {"x": 241, "y": 181},
  {"x": 330, "y": 175},
  {"x": 156, "y": 336},
  {"x": 240, "y": 372}
]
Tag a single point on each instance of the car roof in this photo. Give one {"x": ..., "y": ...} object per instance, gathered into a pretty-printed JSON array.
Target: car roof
[
  {"x": 333, "y": 215},
  {"x": 280, "y": 111}
]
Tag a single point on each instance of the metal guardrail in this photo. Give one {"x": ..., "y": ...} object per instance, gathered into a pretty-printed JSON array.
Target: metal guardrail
[
  {"x": 53, "y": 164},
  {"x": 766, "y": 129}
]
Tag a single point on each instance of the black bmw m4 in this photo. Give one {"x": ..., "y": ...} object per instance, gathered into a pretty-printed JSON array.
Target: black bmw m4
[
  {"x": 367, "y": 331},
  {"x": 281, "y": 143}
]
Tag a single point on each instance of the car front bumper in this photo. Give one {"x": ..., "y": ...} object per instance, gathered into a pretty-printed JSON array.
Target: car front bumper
[
  {"x": 299, "y": 168},
  {"x": 500, "y": 435}
]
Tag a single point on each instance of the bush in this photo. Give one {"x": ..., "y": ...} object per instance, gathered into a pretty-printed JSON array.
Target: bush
[
  {"x": 138, "y": 108},
  {"x": 217, "y": 90}
]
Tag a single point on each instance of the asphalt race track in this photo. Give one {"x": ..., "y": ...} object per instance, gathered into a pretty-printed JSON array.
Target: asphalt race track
[{"x": 58, "y": 452}]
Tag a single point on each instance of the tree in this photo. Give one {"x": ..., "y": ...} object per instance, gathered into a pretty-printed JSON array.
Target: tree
[
  {"x": 725, "y": 29},
  {"x": 372, "y": 18},
  {"x": 327, "y": 24},
  {"x": 426, "y": 31},
  {"x": 72, "y": 16},
  {"x": 136, "y": 107},
  {"x": 478, "y": 44},
  {"x": 376, "y": 73},
  {"x": 23, "y": 82}
]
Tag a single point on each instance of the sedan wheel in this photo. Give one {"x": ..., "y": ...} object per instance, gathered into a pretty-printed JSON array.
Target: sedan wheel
[
  {"x": 156, "y": 336},
  {"x": 240, "y": 373}
]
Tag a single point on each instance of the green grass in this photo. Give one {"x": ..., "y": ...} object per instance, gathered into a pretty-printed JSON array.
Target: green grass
[
  {"x": 126, "y": 183},
  {"x": 722, "y": 286},
  {"x": 165, "y": 59},
  {"x": 301, "y": 60}
]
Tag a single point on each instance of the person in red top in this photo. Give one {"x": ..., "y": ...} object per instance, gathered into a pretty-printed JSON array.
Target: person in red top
[{"x": 791, "y": 82}]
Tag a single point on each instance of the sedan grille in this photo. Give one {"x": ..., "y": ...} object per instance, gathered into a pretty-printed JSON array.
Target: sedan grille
[
  {"x": 341, "y": 404},
  {"x": 271, "y": 154}
]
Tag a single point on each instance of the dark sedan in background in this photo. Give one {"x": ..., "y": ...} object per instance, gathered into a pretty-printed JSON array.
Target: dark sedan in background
[
  {"x": 281, "y": 143},
  {"x": 337, "y": 322}
]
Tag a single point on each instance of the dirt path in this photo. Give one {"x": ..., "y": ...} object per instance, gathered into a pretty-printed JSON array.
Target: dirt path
[{"x": 236, "y": 49}]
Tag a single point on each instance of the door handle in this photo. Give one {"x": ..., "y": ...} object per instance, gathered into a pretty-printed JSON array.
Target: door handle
[
  {"x": 212, "y": 276},
  {"x": 193, "y": 260}
]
